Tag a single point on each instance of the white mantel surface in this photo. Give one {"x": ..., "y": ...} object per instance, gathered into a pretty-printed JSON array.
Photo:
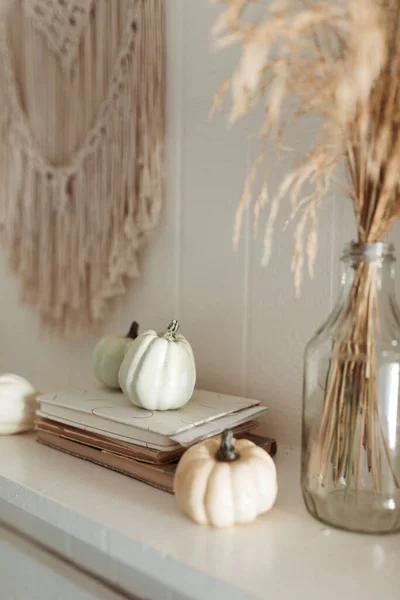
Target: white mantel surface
[{"x": 134, "y": 536}]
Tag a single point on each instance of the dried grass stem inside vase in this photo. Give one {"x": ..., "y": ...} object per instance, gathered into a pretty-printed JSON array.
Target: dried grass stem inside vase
[{"x": 351, "y": 423}]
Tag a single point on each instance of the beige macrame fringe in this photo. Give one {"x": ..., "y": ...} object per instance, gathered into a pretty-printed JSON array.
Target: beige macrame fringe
[{"x": 81, "y": 150}]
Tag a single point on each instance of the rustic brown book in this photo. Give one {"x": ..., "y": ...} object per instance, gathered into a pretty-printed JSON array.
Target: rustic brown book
[
  {"x": 160, "y": 476},
  {"x": 134, "y": 451}
]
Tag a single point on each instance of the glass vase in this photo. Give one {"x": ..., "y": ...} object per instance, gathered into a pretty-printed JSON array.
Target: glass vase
[{"x": 351, "y": 437}]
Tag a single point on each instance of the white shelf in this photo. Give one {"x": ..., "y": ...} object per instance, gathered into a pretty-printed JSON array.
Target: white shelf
[
  {"x": 42, "y": 575},
  {"x": 134, "y": 536}
]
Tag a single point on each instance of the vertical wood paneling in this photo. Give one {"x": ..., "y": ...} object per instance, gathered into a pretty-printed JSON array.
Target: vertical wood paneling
[
  {"x": 214, "y": 163},
  {"x": 344, "y": 233},
  {"x": 280, "y": 325},
  {"x": 28, "y": 351}
]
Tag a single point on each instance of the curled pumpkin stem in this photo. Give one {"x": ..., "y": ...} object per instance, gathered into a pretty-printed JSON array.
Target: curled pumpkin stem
[
  {"x": 227, "y": 451},
  {"x": 172, "y": 330}
]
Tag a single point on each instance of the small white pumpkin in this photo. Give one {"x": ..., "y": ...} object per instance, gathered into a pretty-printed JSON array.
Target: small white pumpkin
[
  {"x": 17, "y": 404},
  {"x": 108, "y": 355},
  {"x": 159, "y": 371},
  {"x": 227, "y": 481}
]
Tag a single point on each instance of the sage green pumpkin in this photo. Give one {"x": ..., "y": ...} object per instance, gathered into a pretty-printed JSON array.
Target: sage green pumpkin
[{"x": 108, "y": 355}]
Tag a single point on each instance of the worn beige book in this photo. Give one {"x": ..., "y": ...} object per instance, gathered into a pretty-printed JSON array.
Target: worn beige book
[
  {"x": 139, "y": 453},
  {"x": 160, "y": 476},
  {"x": 110, "y": 413}
]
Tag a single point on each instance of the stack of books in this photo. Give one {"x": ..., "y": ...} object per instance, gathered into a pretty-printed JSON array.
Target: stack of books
[{"x": 105, "y": 428}]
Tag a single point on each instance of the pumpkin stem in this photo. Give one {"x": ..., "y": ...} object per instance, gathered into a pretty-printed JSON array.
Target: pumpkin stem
[
  {"x": 227, "y": 451},
  {"x": 172, "y": 330},
  {"x": 133, "y": 331}
]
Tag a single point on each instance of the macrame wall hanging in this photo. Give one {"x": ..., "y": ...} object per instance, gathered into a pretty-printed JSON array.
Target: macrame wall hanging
[{"x": 81, "y": 150}]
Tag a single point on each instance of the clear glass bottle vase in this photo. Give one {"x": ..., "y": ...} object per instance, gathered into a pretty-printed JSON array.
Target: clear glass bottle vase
[{"x": 351, "y": 422}]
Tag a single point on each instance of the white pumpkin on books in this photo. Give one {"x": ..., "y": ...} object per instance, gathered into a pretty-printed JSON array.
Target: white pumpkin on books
[{"x": 159, "y": 371}]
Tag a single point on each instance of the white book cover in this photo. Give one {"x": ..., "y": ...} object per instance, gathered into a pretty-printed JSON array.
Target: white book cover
[{"x": 111, "y": 413}]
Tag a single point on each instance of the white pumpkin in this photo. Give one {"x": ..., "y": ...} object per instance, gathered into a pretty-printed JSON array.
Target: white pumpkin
[
  {"x": 17, "y": 404},
  {"x": 108, "y": 355},
  {"x": 159, "y": 371},
  {"x": 227, "y": 481}
]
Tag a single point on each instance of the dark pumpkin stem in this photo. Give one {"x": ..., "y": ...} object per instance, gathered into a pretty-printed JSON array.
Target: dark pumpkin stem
[
  {"x": 134, "y": 331},
  {"x": 227, "y": 451},
  {"x": 172, "y": 330}
]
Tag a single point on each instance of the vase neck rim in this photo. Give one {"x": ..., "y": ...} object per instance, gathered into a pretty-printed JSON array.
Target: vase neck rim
[{"x": 373, "y": 252}]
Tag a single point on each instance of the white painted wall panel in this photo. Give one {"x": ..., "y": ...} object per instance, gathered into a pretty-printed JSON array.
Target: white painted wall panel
[{"x": 214, "y": 165}]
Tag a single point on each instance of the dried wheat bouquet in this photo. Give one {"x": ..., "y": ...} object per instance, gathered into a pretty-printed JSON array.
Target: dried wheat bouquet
[{"x": 338, "y": 61}]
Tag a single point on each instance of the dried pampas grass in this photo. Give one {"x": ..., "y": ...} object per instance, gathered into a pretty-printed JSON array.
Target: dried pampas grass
[{"x": 339, "y": 61}]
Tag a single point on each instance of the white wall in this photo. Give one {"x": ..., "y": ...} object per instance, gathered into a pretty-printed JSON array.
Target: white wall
[{"x": 246, "y": 328}]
